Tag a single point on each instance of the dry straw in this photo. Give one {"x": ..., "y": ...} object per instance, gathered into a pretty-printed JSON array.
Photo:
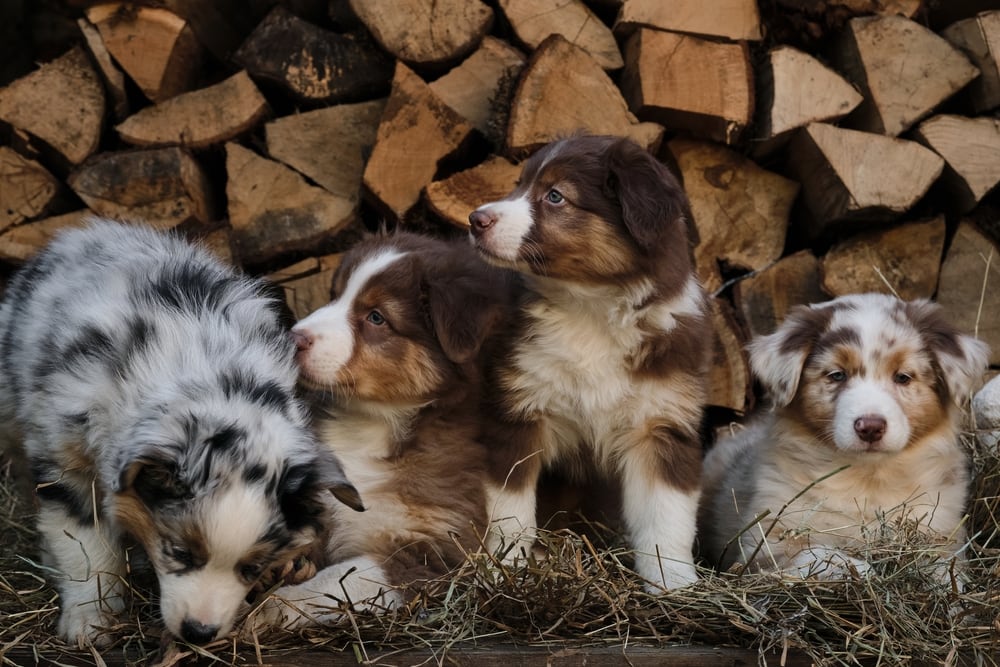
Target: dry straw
[{"x": 582, "y": 594}]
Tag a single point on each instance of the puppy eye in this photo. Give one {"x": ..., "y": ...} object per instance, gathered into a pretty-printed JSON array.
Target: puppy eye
[
  {"x": 553, "y": 196},
  {"x": 902, "y": 378},
  {"x": 180, "y": 554},
  {"x": 836, "y": 376},
  {"x": 376, "y": 318},
  {"x": 251, "y": 571}
]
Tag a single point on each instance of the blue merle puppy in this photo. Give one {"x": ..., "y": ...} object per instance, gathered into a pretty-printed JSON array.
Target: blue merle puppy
[{"x": 153, "y": 389}]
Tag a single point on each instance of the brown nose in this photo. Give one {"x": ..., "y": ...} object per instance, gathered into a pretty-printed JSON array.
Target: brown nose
[
  {"x": 870, "y": 428},
  {"x": 302, "y": 339},
  {"x": 482, "y": 219}
]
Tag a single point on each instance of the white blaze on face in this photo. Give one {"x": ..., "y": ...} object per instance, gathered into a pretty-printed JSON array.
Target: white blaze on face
[
  {"x": 330, "y": 328},
  {"x": 514, "y": 221},
  {"x": 232, "y": 523},
  {"x": 866, "y": 398}
]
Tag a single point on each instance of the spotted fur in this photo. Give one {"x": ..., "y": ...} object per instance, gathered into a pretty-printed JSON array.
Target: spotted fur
[
  {"x": 867, "y": 383},
  {"x": 610, "y": 351},
  {"x": 153, "y": 388}
]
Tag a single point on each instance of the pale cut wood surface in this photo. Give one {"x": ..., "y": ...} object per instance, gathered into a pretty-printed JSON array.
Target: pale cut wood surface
[
  {"x": 729, "y": 377},
  {"x": 421, "y": 32},
  {"x": 902, "y": 260},
  {"x": 306, "y": 284},
  {"x": 329, "y": 146},
  {"x": 732, "y": 19},
  {"x": 971, "y": 151},
  {"x": 27, "y": 189},
  {"x": 741, "y": 210},
  {"x": 903, "y": 69},
  {"x": 979, "y": 39},
  {"x": 111, "y": 74},
  {"x": 460, "y": 194},
  {"x": 687, "y": 83},
  {"x": 157, "y": 48},
  {"x": 534, "y": 20},
  {"x": 19, "y": 243},
  {"x": 61, "y": 103},
  {"x": 766, "y": 297},
  {"x": 564, "y": 90},
  {"x": 417, "y": 131},
  {"x": 199, "y": 118}
]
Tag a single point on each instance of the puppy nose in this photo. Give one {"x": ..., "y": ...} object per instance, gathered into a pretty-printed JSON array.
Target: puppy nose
[
  {"x": 870, "y": 428},
  {"x": 482, "y": 219},
  {"x": 197, "y": 632},
  {"x": 303, "y": 339}
]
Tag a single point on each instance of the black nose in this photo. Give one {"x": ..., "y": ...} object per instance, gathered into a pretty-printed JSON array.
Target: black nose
[
  {"x": 870, "y": 428},
  {"x": 197, "y": 632},
  {"x": 482, "y": 219}
]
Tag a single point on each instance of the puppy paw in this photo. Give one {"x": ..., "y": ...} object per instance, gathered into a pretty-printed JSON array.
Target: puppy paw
[{"x": 83, "y": 625}]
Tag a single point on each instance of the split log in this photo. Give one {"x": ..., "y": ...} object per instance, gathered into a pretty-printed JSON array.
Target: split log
[
  {"x": 741, "y": 210},
  {"x": 60, "y": 103},
  {"x": 851, "y": 175},
  {"x": 794, "y": 89},
  {"x": 563, "y": 90},
  {"x": 200, "y": 118},
  {"x": 534, "y": 20},
  {"x": 903, "y": 260},
  {"x": 971, "y": 151},
  {"x": 306, "y": 284},
  {"x": 114, "y": 80},
  {"x": 903, "y": 69},
  {"x": 735, "y": 20},
  {"x": 164, "y": 187},
  {"x": 154, "y": 46},
  {"x": 765, "y": 297},
  {"x": 687, "y": 83},
  {"x": 967, "y": 288},
  {"x": 479, "y": 88},
  {"x": 219, "y": 25},
  {"x": 454, "y": 198},
  {"x": 426, "y": 33},
  {"x": 979, "y": 39},
  {"x": 219, "y": 241},
  {"x": 729, "y": 378},
  {"x": 328, "y": 146},
  {"x": 20, "y": 243},
  {"x": 907, "y": 8},
  {"x": 27, "y": 189},
  {"x": 314, "y": 65},
  {"x": 417, "y": 132},
  {"x": 274, "y": 212}
]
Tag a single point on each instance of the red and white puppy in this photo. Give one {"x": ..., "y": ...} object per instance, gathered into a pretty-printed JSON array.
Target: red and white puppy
[
  {"x": 394, "y": 359},
  {"x": 866, "y": 381},
  {"x": 609, "y": 358}
]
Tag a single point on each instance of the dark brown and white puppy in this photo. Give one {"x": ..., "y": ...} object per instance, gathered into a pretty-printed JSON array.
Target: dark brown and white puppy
[
  {"x": 610, "y": 358},
  {"x": 867, "y": 383},
  {"x": 397, "y": 355}
]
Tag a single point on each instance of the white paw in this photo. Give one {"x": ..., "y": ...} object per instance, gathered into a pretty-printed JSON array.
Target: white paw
[
  {"x": 666, "y": 575},
  {"x": 83, "y": 624}
]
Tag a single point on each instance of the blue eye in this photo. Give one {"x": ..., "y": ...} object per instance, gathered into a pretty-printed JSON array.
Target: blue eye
[
  {"x": 553, "y": 196},
  {"x": 836, "y": 376},
  {"x": 376, "y": 318}
]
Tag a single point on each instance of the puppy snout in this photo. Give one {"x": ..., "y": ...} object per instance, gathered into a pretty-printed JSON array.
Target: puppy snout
[
  {"x": 870, "y": 428},
  {"x": 303, "y": 339},
  {"x": 482, "y": 219},
  {"x": 197, "y": 632}
]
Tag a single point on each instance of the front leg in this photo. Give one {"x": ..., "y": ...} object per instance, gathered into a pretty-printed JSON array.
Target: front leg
[
  {"x": 660, "y": 473},
  {"x": 511, "y": 492},
  {"x": 89, "y": 558},
  {"x": 358, "y": 583}
]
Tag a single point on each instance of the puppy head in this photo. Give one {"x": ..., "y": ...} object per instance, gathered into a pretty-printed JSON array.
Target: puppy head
[
  {"x": 589, "y": 209},
  {"x": 868, "y": 372},
  {"x": 407, "y": 315},
  {"x": 215, "y": 502}
]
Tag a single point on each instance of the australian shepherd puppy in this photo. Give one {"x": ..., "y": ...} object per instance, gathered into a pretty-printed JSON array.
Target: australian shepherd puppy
[
  {"x": 866, "y": 391},
  {"x": 152, "y": 386},
  {"x": 608, "y": 361},
  {"x": 395, "y": 364}
]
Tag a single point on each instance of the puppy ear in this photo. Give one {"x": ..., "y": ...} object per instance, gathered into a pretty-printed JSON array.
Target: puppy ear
[
  {"x": 153, "y": 477},
  {"x": 649, "y": 195},
  {"x": 333, "y": 478},
  {"x": 961, "y": 359},
  {"x": 777, "y": 359},
  {"x": 301, "y": 486},
  {"x": 465, "y": 309}
]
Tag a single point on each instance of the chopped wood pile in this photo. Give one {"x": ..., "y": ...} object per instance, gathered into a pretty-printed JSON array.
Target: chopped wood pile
[{"x": 827, "y": 146}]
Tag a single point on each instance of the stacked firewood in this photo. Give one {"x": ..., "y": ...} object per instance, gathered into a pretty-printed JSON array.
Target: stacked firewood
[{"x": 827, "y": 146}]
